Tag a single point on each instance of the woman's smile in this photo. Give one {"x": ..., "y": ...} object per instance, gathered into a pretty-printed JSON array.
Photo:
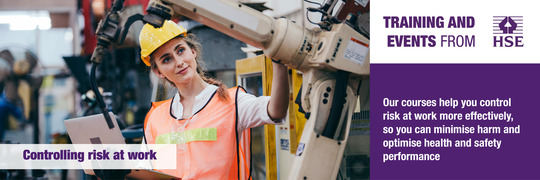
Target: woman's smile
[{"x": 183, "y": 70}]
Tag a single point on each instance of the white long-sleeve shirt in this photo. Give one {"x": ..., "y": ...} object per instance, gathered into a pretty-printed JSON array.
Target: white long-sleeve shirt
[{"x": 252, "y": 111}]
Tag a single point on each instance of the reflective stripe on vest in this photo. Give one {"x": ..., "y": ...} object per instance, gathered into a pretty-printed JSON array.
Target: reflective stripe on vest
[
  {"x": 209, "y": 139},
  {"x": 200, "y": 134}
]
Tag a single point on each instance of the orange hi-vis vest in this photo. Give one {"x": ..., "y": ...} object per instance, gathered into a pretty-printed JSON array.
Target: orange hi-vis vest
[{"x": 207, "y": 146}]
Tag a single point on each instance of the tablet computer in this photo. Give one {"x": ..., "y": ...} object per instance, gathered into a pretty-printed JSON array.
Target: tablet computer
[{"x": 94, "y": 130}]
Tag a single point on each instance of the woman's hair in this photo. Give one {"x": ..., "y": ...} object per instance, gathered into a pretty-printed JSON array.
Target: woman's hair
[{"x": 193, "y": 43}]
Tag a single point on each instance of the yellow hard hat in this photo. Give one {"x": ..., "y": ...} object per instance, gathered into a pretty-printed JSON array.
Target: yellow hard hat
[{"x": 152, "y": 38}]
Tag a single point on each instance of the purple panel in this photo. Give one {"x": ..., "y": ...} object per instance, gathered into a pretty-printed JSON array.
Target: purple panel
[{"x": 516, "y": 159}]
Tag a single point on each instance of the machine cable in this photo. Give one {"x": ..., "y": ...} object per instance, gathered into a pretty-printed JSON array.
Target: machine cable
[
  {"x": 337, "y": 105},
  {"x": 312, "y": 2},
  {"x": 109, "y": 32}
]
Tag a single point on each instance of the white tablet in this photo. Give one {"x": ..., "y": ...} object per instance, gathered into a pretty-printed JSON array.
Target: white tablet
[{"x": 93, "y": 130}]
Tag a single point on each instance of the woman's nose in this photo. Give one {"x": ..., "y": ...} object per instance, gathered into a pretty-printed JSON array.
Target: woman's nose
[{"x": 179, "y": 61}]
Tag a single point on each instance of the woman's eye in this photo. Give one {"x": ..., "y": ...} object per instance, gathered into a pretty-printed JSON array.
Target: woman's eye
[
  {"x": 181, "y": 50},
  {"x": 165, "y": 60}
]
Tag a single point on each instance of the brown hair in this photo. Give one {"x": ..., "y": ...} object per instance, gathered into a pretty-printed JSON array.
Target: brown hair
[{"x": 194, "y": 43}]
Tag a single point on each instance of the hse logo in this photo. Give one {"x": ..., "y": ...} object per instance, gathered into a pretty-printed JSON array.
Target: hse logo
[{"x": 507, "y": 31}]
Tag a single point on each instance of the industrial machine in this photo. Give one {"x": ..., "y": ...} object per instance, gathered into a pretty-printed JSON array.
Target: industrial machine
[
  {"x": 17, "y": 75},
  {"x": 333, "y": 59}
]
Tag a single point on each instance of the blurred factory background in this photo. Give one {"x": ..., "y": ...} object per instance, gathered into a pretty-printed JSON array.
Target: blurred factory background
[{"x": 45, "y": 49}]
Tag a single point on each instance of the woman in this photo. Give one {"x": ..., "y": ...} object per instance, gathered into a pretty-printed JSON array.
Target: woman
[{"x": 204, "y": 118}]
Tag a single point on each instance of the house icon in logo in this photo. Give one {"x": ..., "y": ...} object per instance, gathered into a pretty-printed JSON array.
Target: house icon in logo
[{"x": 508, "y": 25}]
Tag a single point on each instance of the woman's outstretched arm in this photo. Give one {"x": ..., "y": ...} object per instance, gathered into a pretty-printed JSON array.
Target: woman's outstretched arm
[{"x": 279, "y": 99}]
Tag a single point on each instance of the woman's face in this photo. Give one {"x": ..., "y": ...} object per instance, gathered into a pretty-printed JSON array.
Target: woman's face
[{"x": 175, "y": 61}]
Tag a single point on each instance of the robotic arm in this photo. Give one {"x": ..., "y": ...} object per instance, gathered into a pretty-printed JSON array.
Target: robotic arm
[{"x": 280, "y": 39}]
